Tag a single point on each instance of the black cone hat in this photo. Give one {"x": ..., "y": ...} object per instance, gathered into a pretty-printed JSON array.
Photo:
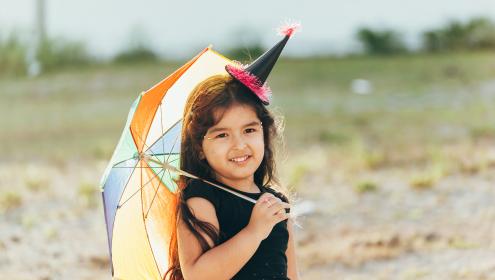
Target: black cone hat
[
  {"x": 254, "y": 75},
  {"x": 263, "y": 65}
]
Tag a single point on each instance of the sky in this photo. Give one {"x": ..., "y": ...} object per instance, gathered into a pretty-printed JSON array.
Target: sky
[{"x": 181, "y": 28}]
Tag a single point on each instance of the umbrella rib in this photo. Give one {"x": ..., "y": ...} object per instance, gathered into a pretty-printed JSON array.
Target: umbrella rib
[
  {"x": 161, "y": 123},
  {"x": 132, "y": 195},
  {"x": 149, "y": 243},
  {"x": 162, "y": 135},
  {"x": 168, "y": 171},
  {"x": 163, "y": 149},
  {"x": 173, "y": 146},
  {"x": 161, "y": 180},
  {"x": 166, "y": 154},
  {"x": 110, "y": 235},
  {"x": 133, "y": 158},
  {"x": 122, "y": 161},
  {"x": 156, "y": 192},
  {"x": 147, "y": 147},
  {"x": 156, "y": 174}
]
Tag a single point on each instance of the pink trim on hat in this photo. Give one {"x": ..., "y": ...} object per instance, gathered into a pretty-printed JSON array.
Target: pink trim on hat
[
  {"x": 250, "y": 81},
  {"x": 289, "y": 29}
]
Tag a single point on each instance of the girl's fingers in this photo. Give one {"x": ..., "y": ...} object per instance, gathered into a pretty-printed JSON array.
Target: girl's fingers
[
  {"x": 264, "y": 198},
  {"x": 274, "y": 204},
  {"x": 280, "y": 207},
  {"x": 262, "y": 202},
  {"x": 281, "y": 215},
  {"x": 273, "y": 201}
]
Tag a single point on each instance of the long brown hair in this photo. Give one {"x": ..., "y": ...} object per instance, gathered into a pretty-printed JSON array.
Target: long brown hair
[{"x": 218, "y": 92}]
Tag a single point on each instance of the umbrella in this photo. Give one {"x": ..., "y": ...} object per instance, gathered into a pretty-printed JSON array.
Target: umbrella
[{"x": 137, "y": 185}]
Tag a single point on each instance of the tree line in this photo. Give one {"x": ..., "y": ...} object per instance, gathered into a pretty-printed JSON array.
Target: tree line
[
  {"x": 475, "y": 34},
  {"x": 55, "y": 53}
]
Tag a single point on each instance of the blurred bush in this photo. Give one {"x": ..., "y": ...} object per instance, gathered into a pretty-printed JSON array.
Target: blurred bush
[
  {"x": 55, "y": 53},
  {"x": 380, "y": 42},
  {"x": 139, "y": 53},
  {"x": 248, "y": 44},
  {"x": 12, "y": 55},
  {"x": 365, "y": 187},
  {"x": 52, "y": 53},
  {"x": 245, "y": 54},
  {"x": 136, "y": 48},
  {"x": 476, "y": 34}
]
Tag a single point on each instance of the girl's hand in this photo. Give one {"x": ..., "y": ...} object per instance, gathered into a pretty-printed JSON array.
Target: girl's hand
[{"x": 267, "y": 212}]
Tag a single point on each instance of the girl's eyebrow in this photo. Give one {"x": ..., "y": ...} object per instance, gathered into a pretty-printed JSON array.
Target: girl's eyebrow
[{"x": 253, "y": 123}]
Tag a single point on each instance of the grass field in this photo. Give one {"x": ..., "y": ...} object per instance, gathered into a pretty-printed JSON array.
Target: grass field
[
  {"x": 397, "y": 175},
  {"x": 416, "y": 100}
]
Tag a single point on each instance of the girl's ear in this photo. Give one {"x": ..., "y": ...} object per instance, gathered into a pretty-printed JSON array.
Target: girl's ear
[{"x": 201, "y": 155}]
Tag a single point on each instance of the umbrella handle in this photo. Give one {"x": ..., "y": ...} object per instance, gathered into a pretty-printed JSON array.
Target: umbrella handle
[{"x": 187, "y": 174}]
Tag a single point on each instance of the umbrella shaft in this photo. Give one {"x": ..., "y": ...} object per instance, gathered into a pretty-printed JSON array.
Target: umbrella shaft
[{"x": 184, "y": 173}]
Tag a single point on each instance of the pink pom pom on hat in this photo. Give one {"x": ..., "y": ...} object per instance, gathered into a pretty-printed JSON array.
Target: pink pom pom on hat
[
  {"x": 251, "y": 82},
  {"x": 254, "y": 75}
]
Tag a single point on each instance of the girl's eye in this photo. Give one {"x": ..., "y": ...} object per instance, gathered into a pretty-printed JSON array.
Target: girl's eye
[
  {"x": 250, "y": 130},
  {"x": 221, "y": 135}
]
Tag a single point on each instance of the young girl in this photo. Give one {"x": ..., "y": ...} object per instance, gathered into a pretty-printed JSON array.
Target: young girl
[{"x": 227, "y": 139}]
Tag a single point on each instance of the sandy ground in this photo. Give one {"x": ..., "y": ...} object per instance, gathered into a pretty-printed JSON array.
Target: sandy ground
[
  {"x": 400, "y": 233},
  {"x": 52, "y": 226}
]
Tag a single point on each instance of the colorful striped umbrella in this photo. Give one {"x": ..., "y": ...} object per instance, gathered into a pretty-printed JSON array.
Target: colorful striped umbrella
[{"x": 137, "y": 190}]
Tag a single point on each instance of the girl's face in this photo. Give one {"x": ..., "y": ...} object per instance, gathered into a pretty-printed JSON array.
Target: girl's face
[{"x": 234, "y": 147}]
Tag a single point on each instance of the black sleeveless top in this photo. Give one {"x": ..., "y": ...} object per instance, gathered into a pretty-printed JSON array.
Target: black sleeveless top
[{"x": 233, "y": 213}]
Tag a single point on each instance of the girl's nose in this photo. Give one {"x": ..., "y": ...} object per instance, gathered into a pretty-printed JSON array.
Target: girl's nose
[{"x": 238, "y": 142}]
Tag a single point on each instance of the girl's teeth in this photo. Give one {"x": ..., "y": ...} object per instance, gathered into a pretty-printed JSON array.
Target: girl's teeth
[{"x": 239, "y": 159}]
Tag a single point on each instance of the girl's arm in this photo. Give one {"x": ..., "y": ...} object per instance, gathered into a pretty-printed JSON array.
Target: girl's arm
[
  {"x": 220, "y": 262},
  {"x": 292, "y": 272}
]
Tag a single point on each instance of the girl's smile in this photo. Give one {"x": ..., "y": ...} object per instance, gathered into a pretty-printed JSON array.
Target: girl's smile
[
  {"x": 234, "y": 147},
  {"x": 240, "y": 159}
]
